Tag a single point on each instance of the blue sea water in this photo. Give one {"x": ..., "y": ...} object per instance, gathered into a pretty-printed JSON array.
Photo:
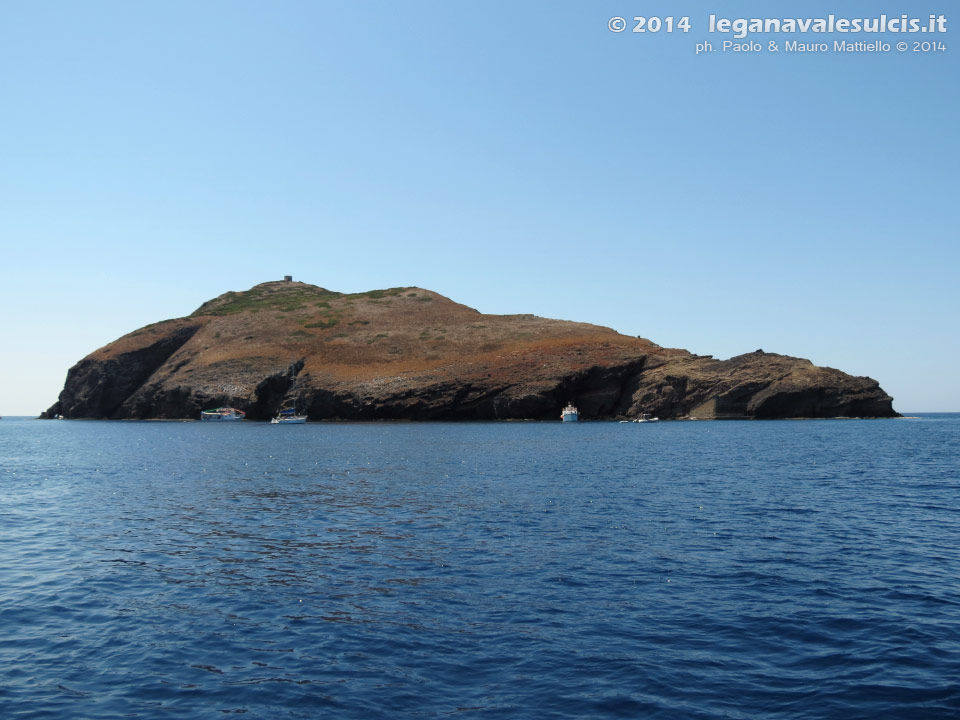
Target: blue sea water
[{"x": 772, "y": 570}]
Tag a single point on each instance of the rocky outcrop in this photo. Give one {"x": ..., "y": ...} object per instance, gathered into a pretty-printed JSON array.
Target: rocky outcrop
[
  {"x": 408, "y": 353},
  {"x": 758, "y": 385},
  {"x": 99, "y": 387}
]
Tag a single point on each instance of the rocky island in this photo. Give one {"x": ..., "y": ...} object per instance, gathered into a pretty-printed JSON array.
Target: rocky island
[{"x": 409, "y": 353}]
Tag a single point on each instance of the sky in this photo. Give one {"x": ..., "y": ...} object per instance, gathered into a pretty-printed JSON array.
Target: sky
[{"x": 518, "y": 157}]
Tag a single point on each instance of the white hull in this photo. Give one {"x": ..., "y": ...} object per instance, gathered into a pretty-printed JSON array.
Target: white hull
[
  {"x": 569, "y": 413},
  {"x": 292, "y": 420},
  {"x": 222, "y": 415}
]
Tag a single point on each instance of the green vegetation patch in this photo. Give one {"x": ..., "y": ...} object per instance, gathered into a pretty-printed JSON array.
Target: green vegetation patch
[
  {"x": 379, "y": 294},
  {"x": 433, "y": 333},
  {"x": 323, "y": 323},
  {"x": 154, "y": 326},
  {"x": 425, "y": 298},
  {"x": 290, "y": 298},
  {"x": 359, "y": 322},
  {"x": 258, "y": 299},
  {"x": 151, "y": 327}
]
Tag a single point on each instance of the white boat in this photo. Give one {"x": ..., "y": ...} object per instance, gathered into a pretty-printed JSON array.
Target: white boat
[
  {"x": 288, "y": 417},
  {"x": 569, "y": 413},
  {"x": 645, "y": 417},
  {"x": 223, "y": 414}
]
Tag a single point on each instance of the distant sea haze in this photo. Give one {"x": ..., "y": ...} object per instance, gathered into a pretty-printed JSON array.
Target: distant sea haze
[{"x": 707, "y": 570}]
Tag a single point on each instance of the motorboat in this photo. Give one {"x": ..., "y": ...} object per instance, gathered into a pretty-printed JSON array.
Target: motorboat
[
  {"x": 646, "y": 417},
  {"x": 569, "y": 413},
  {"x": 222, "y": 414}
]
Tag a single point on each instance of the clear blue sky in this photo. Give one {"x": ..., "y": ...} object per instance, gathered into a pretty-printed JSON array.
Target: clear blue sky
[{"x": 515, "y": 156}]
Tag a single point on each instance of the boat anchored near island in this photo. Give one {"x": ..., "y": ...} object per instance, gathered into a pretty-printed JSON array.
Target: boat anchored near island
[
  {"x": 222, "y": 414},
  {"x": 569, "y": 413},
  {"x": 288, "y": 417},
  {"x": 644, "y": 418}
]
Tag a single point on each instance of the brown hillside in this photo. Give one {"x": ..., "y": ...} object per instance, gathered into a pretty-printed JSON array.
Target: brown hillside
[{"x": 411, "y": 353}]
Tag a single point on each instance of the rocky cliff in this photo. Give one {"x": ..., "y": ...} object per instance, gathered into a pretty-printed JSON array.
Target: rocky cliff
[{"x": 409, "y": 353}]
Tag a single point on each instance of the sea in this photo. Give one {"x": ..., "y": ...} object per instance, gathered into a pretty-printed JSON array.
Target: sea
[{"x": 759, "y": 570}]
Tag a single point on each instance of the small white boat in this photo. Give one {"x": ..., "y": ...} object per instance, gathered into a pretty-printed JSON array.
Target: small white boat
[
  {"x": 645, "y": 417},
  {"x": 288, "y": 417},
  {"x": 569, "y": 413},
  {"x": 223, "y": 414}
]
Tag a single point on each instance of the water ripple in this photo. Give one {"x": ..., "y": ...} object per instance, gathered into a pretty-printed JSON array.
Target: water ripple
[{"x": 699, "y": 570}]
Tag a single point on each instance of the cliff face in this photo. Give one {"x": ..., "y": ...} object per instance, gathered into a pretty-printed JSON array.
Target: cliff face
[{"x": 408, "y": 353}]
